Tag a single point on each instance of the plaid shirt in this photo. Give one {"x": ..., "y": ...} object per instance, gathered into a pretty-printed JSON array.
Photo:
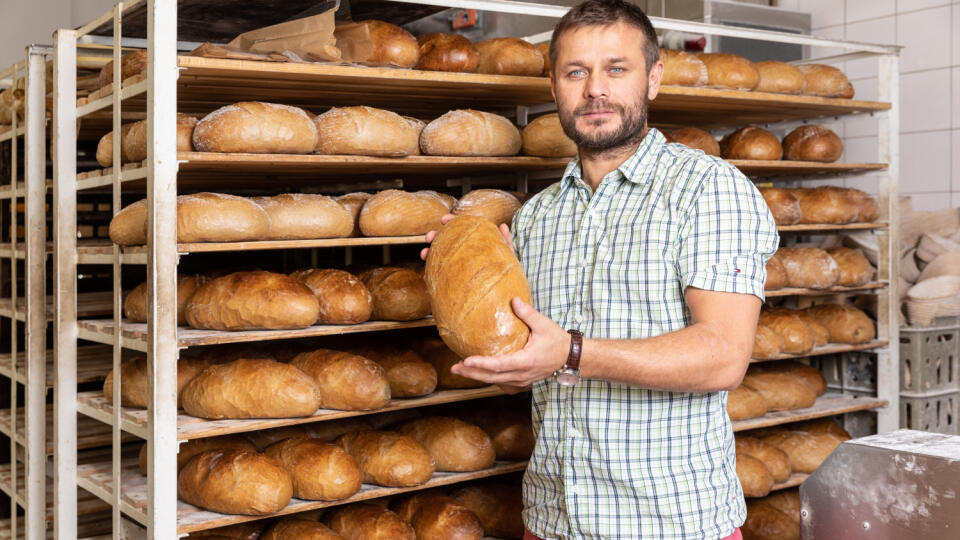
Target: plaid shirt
[{"x": 614, "y": 460}]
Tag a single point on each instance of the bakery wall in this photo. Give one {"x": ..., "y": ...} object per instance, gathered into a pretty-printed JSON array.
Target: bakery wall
[
  {"x": 33, "y": 21},
  {"x": 929, "y": 31}
]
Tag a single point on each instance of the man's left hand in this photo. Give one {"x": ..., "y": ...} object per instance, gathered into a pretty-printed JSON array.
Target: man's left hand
[{"x": 545, "y": 352}]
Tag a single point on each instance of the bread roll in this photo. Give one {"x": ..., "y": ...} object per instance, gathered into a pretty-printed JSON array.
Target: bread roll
[
  {"x": 767, "y": 343},
  {"x": 867, "y": 209},
  {"x": 783, "y": 204},
  {"x": 398, "y": 294},
  {"x": 235, "y": 482},
  {"x": 744, "y": 403},
  {"x": 131, "y": 64},
  {"x": 250, "y": 530},
  {"x": 435, "y": 351},
  {"x": 809, "y": 374},
  {"x": 847, "y": 324},
  {"x": 754, "y": 477},
  {"x": 544, "y": 137},
  {"x": 135, "y": 304},
  {"x": 299, "y": 529},
  {"x": 251, "y": 389},
  {"x": 509, "y": 56},
  {"x": 776, "y": 275},
  {"x": 368, "y": 521},
  {"x": 751, "y": 143},
  {"x": 697, "y": 139},
  {"x": 682, "y": 69},
  {"x": 437, "y": 517},
  {"x": 389, "y": 459},
  {"x": 786, "y": 501},
  {"x": 299, "y": 216},
  {"x": 218, "y": 217},
  {"x": 129, "y": 226},
  {"x": 447, "y": 52},
  {"x": 781, "y": 391},
  {"x": 496, "y": 205},
  {"x": 467, "y": 132},
  {"x": 510, "y": 430},
  {"x": 765, "y": 522},
  {"x": 826, "y": 81},
  {"x": 320, "y": 471},
  {"x": 544, "y": 49},
  {"x": 354, "y": 202},
  {"x": 812, "y": 143},
  {"x": 377, "y": 43},
  {"x": 798, "y": 337},
  {"x": 134, "y": 140},
  {"x": 779, "y": 78},
  {"x": 409, "y": 375},
  {"x": 133, "y": 380},
  {"x": 821, "y": 332},
  {"x": 365, "y": 131},
  {"x": 472, "y": 276},
  {"x": 190, "y": 448},
  {"x": 342, "y": 297},
  {"x": 726, "y": 70},
  {"x": 402, "y": 213},
  {"x": 498, "y": 507},
  {"x": 347, "y": 382},
  {"x": 855, "y": 269},
  {"x": 775, "y": 460},
  {"x": 252, "y": 301},
  {"x": 806, "y": 450},
  {"x": 257, "y": 128},
  {"x": 454, "y": 444},
  {"x": 810, "y": 268}
]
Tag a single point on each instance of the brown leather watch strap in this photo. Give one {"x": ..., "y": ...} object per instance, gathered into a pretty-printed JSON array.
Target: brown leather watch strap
[{"x": 576, "y": 347}]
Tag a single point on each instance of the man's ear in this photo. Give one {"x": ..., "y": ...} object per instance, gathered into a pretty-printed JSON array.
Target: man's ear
[{"x": 654, "y": 78}]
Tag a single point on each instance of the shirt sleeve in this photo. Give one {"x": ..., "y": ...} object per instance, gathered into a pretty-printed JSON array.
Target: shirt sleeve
[{"x": 728, "y": 237}]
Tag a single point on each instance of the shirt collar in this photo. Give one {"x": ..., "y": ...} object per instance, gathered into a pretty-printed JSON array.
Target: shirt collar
[{"x": 633, "y": 168}]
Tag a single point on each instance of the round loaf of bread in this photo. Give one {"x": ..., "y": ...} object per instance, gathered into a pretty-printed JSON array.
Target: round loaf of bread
[
  {"x": 754, "y": 477},
  {"x": 779, "y": 78},
  {"x": 467, "y": 132},
  {"x": 132, "y": 63},
  {"x": 252, "y": 301},
  {"x": 343, "y": 298},
  {"x": 744, "y": 403},
  {"x": 251, "y": 389},
  {"x": 218, "y": 217},
  {"x": 765, "y": 522},
  {"x": 810, "y": 268},
  {"x": 781, "y": 391},
  {"x": 509, "y": 56},
  {"x": 398, "y": 294},
  {"x": 544, "y": 137},
  {"x": 454, "y": 444},
  {"x": 544, "y": 49},
  {"x": 812, "y": 143},
  {"x": 407, "y": 372},
  {"x": 510, "y": 430},
  {"x": 134, "y": 140},
  {"x": 826, "y": 205},
  {"x": 775, "y": 460},
  {"x": 807, "y": 451},
  {"x": 135, "y": 304},
  {"x": 855, "y": 269},
  {"x": 129, "y": 226},
  {"x": 776, "y": 275},
  {"x": 682, "y": 69},
  {"x": 751, "y": 143},
  {"x": 354, "y": 202},
  {"x": 497, "y": 505},
  {"x": 826, "y": 81},
  {"x": 299, "y": 529},
  {"x": 190, "y": 448},
  {"x": 798, "y": 337},
  {"x": 402, "y": 213},
  {"x": 725, "y": 70},
  {"x": 235, "y": 482},
  {"x": 363, "y": 521},
  {"x": 846, "y": 323},
  {"x": 697, "y": 139},
  {"x": 391, "y": 45},
  {"x": 257, "y": 128},
  {"x": 767, "y": 343},
  {"x": 347, "y": 382},
  {"x": 447, "y": 52},
  {"x": 388, "y": 459},
  {"x": 320, "y": 471},
  {"x": 305, "y": 216},
  {"x": 133, "y": 380},
  {"x": 434, "y": 515},
  {"x": 493, "y": 204},
  {"x": 435, "y": 351},
  {"x": 365, "y": 131},
  {"x": 783, "y": 204}
]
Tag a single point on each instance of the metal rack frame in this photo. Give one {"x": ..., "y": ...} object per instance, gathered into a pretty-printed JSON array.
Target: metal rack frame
[{"x": 161, "y": 252}]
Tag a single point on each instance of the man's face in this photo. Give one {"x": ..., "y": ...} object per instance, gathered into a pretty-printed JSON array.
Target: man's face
[{"x": 602, "y": 86}]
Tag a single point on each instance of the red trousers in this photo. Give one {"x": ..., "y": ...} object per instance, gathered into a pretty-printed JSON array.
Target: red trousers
[{"x": 527, "y": 535}]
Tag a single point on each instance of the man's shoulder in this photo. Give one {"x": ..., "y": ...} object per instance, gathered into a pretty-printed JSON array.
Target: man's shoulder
[
  {"x": 534, "y": 204},
  {"x": 687, "y": 172}
]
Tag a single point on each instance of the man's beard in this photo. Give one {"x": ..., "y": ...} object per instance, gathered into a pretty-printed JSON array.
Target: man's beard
[{"x": 633, "y": 120}]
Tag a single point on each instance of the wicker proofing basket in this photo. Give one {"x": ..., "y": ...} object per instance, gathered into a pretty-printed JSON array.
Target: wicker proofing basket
[{"x": 931, "y": 298}]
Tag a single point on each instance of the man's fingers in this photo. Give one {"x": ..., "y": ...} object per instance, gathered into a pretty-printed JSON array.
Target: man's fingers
[
  {"x": 423, "y": 253},
  {"x": 446, "y": 218},
  {"x": 506, "y": 234},
  {"x": 525, "y": 312},
  {"x": 512, "y": 378},
  {"x": 431, "y": 235}
]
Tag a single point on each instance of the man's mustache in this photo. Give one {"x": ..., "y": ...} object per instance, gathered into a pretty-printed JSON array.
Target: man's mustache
[{"x": 597, "y": 107}]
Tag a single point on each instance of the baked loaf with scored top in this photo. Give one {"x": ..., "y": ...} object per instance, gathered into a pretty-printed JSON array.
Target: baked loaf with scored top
[
  {"x": 767, "y": 343},
  {"x": 755, "y": 478},
  {"x": 798, "y": 337},
  {"x": 256, "y": 127},
  {"x": 846, "y": 323},
  {"x": 135, "y": 304},
  {"x": 368, "y": 521},
  {"x": 472, "y": 276},
  {"x": 765, "y": 522},
  {"x": 418, "y": 125},
  {"x": 496, "y": 205},
  {"x": 812, "y": 143},
  {"x": 252, "y": 301},
  {"x": 867, "y": 209},
  {"x": 342, "y": 297},
  {"x": 776, "y": 274},
  {"x": 347, "y": 382},
  {"x": 544, "y": 49},
  {"x": 393, "y": 212},
  {"x": 131, "y": 64},
  {"x": 296, "y": 216},
  {"x": 454, "y": 444},
  {"x": 806, "y": 450},
  {"x": 497, "y": 505},
  {"x": 435, "y": 351},
  {"x": 190, "y": 448},
  {"x": 377, "y": 43},
  {"x": 447, "y": 52},
  {"x": 725, "y": 70},
  {"x": 751, "y": 143},
  {"x": 781, "y": 391},
  {"x": 251, "y": 389},
  {"x": 235, "y": 482},
  {"x": 826, "y": 205},
  {"x": 786, "y": 501},
  {"x": 466, "y": 132},
  {"x": 365, "y": 131},
  {"x": 744, "y": 403},
  {"x": 389, "y": 459},
  {"x": 544, "y": 137},
  {"x": 354, "y": 202},
  {"x": 682, "y": 69},
  {"x": 697, "y": 139},
  {"x": 820, "y": 331},
  {"x": 133, "y": 380},
  {"x": 509, "y": 56},
  {"x": 809, "y": 374},
  {"x": 398, "y": 294},
  {"x": 436, "y": 516},
  {"x": 779, "y": 78},
  {"x": 783, "y": 204},
  {"x": 855, "y": 268},
  {"x": 775, "y": 460},
  {"x": 218, "y": 217},
  {"x": 134, "y": 141},
  {"x": 826, "y": 81},
  {"x": 299, "y": 529},
  {"x": 129, "y": 226},
  {"x": 409, "y": 375},
  {"x": 320, "y": 471},
  {"x": 809, "y": 268}
]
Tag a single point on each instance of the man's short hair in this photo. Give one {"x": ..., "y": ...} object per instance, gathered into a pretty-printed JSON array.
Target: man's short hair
[{"x": 603, "y": 13}]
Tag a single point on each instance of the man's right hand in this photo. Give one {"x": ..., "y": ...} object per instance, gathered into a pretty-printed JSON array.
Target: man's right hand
[{"x": 504, "y": 232}]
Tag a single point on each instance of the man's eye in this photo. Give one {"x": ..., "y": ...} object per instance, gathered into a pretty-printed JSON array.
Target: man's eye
[
  {"x": 616, "y": 69},
  {"x": 577, "y": 73}
]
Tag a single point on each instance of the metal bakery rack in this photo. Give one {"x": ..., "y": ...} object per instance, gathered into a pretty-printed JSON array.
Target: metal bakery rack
[{"x": 191, "y": 84}]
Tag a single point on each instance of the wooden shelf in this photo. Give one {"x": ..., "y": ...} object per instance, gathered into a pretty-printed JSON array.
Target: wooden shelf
[
  {"x": 7, "y": 133},
  {"x": 87, "y": 503},
  {"x": 796, "y": 291},
  {"x": 96, "y": 478},
  {"x": 134, "y": 335},
  {"x": 89, "y": 527},
  {"x": 767, "y": 169},
  {"x": 90, "y": 432},
  {"x": 832, "y": 348},
  {"x": 827, "y": 227},
  {"x": 92, "y": 304},
  {"x": 826, "y": 405},
  {"x": 795, "y": 480},
  {"x": 94, "y": 405},
  {"x": 93, "y": 364}
]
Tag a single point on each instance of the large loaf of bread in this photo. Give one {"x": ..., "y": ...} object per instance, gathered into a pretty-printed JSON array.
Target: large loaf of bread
[
  {"x": 751, "y": 143},
  {"x": 347, "y": 382},
  {"x": 510, "y": 430},
  {"x": 447, "y": 52},
  {"x": 472, "y": 276},
  {"x": 544, "y": 137},
  {"x": 257, "y": 128},
  {"x": 299, "y": 529},
  {"x": 783, "y": 204},
  {"x": 855, "y": 269},
  {"x": 434, "y": 515},
  {"x": 509, "y": 56},
  {"x": 695, "y": 138},
  {"x": 767, "y": 343},
  {"x": 132, "y": 63},
  {"x": 810, "y": 268},
  {"x": 368, "y": 521},
  {"x": 129, "y": 226},
  {"x": 135, "y": 304},
  {"x": 297, "y": 216},
  {"x": 342, "y": 297},
  {"x": 846, "y": 323},
  {"x": 133, "y": 141},
  {"x": 826, "y": 205},
  {"x": 798, "y": 337},
  {"x": 779, "y": 78},
  {"x": 806, "y": 450},
  {"x": 781, "y": 391},
  {"x": 435, "y": 351},
  {"x": 389, "y": 459},
  {"x": 409, "y": 374},
  {"x": 402, "y": 213},
  {"x": 775, "y": 460},
  {"x": 251, "y": 389},
  {"x": 252, "y": 301},
  {"x": 497, "y": 505},
  {"x": 320, "y": 471},
  {"x": 726, "y": 70},
  {"x": 544, "y": 49},
  {"x": 398, "y": 294},
  {"x": 251, "y": 530},
  {"x": 744, "y": 403},
  {"x": 377, "y": 43},
  {"x": 470, "y": 133},
  {"x": 454, "y": 444},
  {"x": 809, "y": 374},
  {"x": 354, "y": 202},
  {"x": 683, "y": 69},
  {"x": 494, "y": 204},
  {"x": 133, "y": 380},
  {"x": 764, "y": 522},
  {"x": 755, "y": 478},
  {"x": 826, "y": 81},
  {"x": 190, "y": 448},
  {"x": 812, "y": 143},
  {"x": 365, "y": 131},
  {"x": 235, "y": 482},
  {"x": 776, "y": 274}
]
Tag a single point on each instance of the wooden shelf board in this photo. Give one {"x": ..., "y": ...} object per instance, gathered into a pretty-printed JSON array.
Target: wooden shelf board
[
  {"x": 796, "y": 291},
  {"x": 87, "y": 503},
  {"x": 795, "y": 480},
  {"x": 89, "y": 527},
  {"x": 828, "y": 227},
  {"x": 91, "y": 304},
  {"x": 764, "y": 168},
  {"x": 832, "y": 348},
  {"x": 93, "y": 364},
  {"x": 826, "y": 405},
  {"x": 90, "y": 432},
  {"x": 94, "y": 405},
  {"x": 7, "y": 132}
]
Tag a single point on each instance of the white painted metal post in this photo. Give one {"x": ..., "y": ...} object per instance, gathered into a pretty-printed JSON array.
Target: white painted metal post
[
  {"x": 117, "y": 281},
  {"x": 14, "y": 325}
]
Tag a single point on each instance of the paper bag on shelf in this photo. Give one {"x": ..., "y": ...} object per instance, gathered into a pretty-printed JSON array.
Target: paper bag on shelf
[{"x": 309, "y": 37}]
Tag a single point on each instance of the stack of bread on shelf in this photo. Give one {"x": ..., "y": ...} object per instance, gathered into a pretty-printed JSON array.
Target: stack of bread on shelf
[
  {"x": 799, "y": 331},
  {"x": 777, "y": 386},
  {"x": 829, "y": 205},
  {"x": 806, "y": 143},
  {"x": 814, "y": 268},
  {"x": 774, "y": 517}
]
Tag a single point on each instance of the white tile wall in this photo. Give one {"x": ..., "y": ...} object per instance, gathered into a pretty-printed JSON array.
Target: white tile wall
[
  {"x": 925, "y": 162},
  {"x": 860, "y": 149},
  {"x": 857, "y": 10},
  {"x": 904, "y": 6},
  {"x": 955, "y": 159},
  {"x": 925, "y": 100},
  {"x": 955, "y": 33},
  {"x": 954, "y": 93},
  {"x": 823, "y": 12},
  {"x": 882, "y": 30},
  {"x": 923, "y": 35}
]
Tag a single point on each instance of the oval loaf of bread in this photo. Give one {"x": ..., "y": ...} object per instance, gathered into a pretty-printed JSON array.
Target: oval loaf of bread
[
  {"x": 544, "y": 137},
  {"x": 389, "y": 459},
  {"x": 812, "y": 143},
  {"x": 454, "y": 444},
  {"x": 398, "y": 294},
  {"x": 252, "y": 301},
  {"x": 496, "y": 205},
  {"x": 256, "y": 127},
  {"x": 347, "y": 382},
  {"x": 779, "y": 78},
  {"x": 365, "y": 131},
  {"x": 343, "y": 298},
  {"x": 725, "y": 70},
  {"x": 682, "y": 69},
  {"x": 402, "y": 213},
  {"x": 235, "y": 482},
  {"x": 751, "y": 143},
  {"x": 447, "y": 52},
  {"x": 305, "y": 216},
  {"x": 695, "y": 138},
  {"x": 135, "y": 304},
  {"x": 320, "y": 471},
  {"x": 467, "y": 132},
  {"x": 509, "y": 56}
]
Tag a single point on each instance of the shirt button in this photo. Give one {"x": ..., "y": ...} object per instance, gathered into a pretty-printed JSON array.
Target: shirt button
[
  {"x": 578, "y": 317},
  {"x": 584, "y": 263}
]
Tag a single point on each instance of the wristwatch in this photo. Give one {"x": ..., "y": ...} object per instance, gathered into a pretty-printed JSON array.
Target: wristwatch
[{"x": 569, "y": 374}]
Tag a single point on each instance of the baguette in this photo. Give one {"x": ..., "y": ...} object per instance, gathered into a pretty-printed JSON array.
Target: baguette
[
  {"x": 347, "y": 382},
  {"x": 389, "y": 459},
  {"x": 342, "y": 297},
  {"x": 252, "y": 301},
  {"x": 454, "y": 444},
  {"x": 320, "y": 471},
  {"x": 235, "y": 482}
]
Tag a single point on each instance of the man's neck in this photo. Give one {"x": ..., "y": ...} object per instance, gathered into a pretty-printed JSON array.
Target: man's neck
[{"x": 595, "y": 165}]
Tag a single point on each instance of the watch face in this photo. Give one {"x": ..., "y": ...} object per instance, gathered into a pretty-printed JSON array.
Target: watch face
[{"x": 567, "y": 378}]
